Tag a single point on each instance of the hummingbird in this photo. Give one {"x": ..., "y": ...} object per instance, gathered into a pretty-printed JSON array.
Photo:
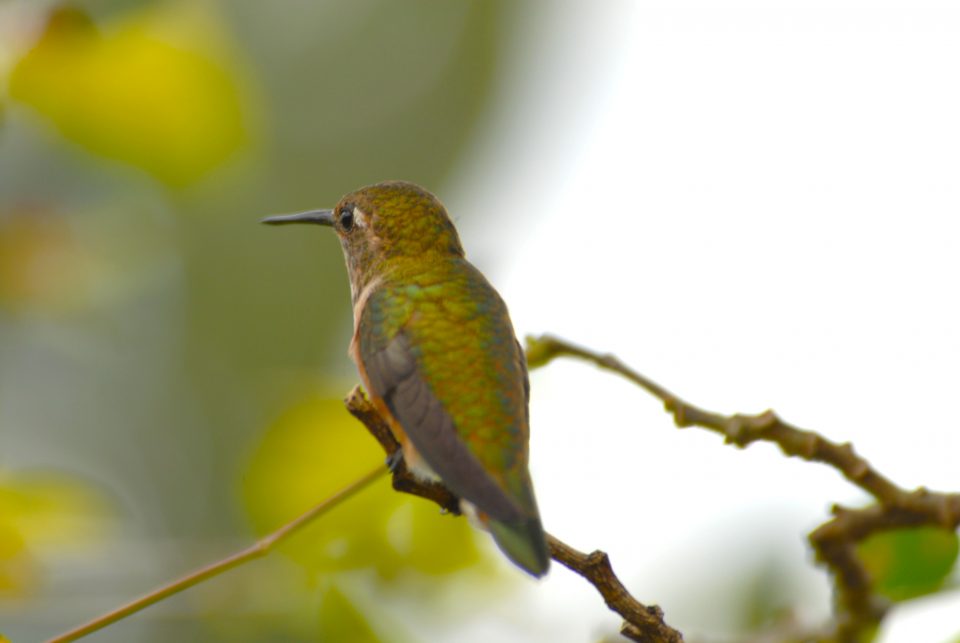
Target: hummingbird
[{"x": 436, "y": 351}]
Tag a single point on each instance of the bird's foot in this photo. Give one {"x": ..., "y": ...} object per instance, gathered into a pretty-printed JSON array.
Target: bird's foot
[{"x": 394, "y": 459}]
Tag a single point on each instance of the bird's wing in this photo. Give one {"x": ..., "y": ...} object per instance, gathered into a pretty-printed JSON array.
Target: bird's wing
[{"x": 396, "y": 373}]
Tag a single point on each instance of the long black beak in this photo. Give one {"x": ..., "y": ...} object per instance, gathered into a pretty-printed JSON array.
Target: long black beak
[{"x": 321, "y": 217}]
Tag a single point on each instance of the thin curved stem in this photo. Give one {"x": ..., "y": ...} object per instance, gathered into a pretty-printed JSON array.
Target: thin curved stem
[{"x": 259, "y": 549}]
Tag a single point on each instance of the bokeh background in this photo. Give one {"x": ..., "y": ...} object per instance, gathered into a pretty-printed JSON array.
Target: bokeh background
[{"x": 754, "y": 203}]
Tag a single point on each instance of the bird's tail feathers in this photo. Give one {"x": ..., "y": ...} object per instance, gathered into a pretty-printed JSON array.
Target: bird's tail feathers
[{"x": 524, "y": 543}]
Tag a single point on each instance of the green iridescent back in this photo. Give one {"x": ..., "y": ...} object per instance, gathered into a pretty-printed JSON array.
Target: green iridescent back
[{"x": 465, "y": 349}]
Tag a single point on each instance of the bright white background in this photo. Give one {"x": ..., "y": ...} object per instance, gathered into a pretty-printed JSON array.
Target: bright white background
[{"x": 756, "y": 205}]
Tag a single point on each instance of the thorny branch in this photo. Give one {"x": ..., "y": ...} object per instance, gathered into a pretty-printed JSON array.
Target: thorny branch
[
  {"x": 859, "y": 609},
  {"x": 641, "y": 622}
]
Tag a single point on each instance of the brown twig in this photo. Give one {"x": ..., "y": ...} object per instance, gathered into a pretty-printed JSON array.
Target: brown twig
[
  {"x": 261, "y": 548},
  {"x": 403, "y": 480},
  {"x": 642, "y": 623},
  {"x": 859, "y": 609}
]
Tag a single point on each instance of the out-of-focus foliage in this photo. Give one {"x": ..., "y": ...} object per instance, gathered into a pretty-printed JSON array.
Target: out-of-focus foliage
[
  {"x": 152, "y": 89},
  {"x": 315, "y": 448},
  {"x": 18, "y": 569},
  {"x": 41, "y": 264},
  {"x": 43, "y": 511},
  {"x": 150, "y": 328},
  {"x": 339, "y": 620},
  {"x": 312, "y": 450},
  {"x": 55, "y": 266},
  {"x": 767, "y": 597},
  {"x": 907, "y": 563}
]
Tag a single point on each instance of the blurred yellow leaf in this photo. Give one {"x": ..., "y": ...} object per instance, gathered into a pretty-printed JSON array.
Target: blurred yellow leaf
[
  {"x": 314, "y": 449},
  {"x": 52, "y": 509},
  {"x": 340, "y": 620},
  {"x": 42, "y": 512},
  {"x": 430, "y": 543},
  {"x": 19, "y": 572},
  {"x": 152, "y": 90}
]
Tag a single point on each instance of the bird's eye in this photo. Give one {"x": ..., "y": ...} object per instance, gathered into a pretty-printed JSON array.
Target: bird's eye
[{"x": 346, "y": 219}]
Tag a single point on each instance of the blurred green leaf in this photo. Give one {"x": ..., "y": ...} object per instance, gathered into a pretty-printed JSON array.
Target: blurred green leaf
[
  {"x": 907, "y": 563},
  {"x": 340, "y": 620},
  {"x": 315, "y": 448},
  {"x": 152, "y": 90}
]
